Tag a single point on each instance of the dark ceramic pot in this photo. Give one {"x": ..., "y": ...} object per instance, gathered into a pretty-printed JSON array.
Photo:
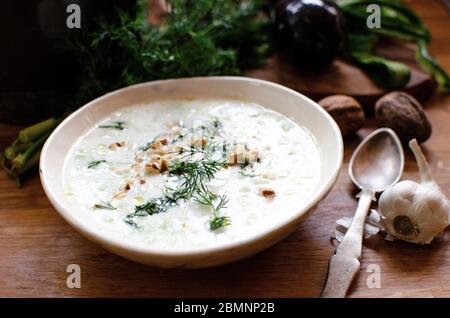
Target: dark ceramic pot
[{"x": 36, "y": 77}]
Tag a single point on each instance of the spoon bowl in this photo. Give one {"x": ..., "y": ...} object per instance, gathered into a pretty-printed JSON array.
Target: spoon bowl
[{"x": 378, "y": 161}]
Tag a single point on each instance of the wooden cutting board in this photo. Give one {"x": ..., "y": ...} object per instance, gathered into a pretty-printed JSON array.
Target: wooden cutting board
[{"x": 343, "y": 77}]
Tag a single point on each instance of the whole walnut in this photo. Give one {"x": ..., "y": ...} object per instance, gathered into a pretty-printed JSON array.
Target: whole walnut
[
  {"x": 346, "y": 111},
  {"x": 405, "y": 115}
]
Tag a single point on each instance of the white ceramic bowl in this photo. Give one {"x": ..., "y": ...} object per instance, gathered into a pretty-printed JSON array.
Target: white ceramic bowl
[{"x": 286, "y": 101}]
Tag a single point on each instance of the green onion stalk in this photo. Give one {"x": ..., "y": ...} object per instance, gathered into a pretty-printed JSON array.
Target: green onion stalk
[
  {"x": 399, "y": 22},
  {"x": 23, "y": 154},
  {"x": 197, "y": 38}
]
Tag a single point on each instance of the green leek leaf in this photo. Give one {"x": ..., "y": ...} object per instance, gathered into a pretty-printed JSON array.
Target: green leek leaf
[
  {"x": 356, "y": 42},
  {"x": 430, "y": 65},
  {"x": 385, "y": 73},
  {"x": 397, "y": 20}
]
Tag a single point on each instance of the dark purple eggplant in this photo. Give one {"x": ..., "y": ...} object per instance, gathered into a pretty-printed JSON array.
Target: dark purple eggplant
[{"x": 311, "y": 31}]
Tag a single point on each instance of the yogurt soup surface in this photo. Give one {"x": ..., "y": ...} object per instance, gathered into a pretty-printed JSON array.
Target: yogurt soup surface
[{"x": 191, "y": 173}]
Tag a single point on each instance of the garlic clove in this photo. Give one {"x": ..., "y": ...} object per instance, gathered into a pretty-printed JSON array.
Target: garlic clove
[
  {"x": 395, "y": 206},
  {"x": 415, "y": 212}
]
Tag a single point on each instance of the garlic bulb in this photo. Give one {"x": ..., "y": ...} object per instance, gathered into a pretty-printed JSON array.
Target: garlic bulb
[{"x": 415, "y": 212}]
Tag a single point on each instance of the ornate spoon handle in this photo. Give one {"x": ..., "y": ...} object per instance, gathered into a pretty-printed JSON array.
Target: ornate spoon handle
[{"x": 344, "y": 264}]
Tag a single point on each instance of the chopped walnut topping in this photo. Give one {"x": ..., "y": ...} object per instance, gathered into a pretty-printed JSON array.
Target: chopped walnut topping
[
  {"x": 267, "y": 193},
  {"x": 158, "y": 144},
  {"x": 157, "y": 165},
  {"x": 240, "y": 151},
  {"x": 237, "y": 156},
  {"x": 164, "y": 141},
  {"x": 232, "y": 159},
  {"x": 151, "y": 168},
  {"x": 199, "y": 142},
  {"x": 125, "y": 187},
  {"x": 252, "y": 156},
  {"x": 116, "y": 145},
  {"x": 164, "y": 165},
  {"x": 240, "y": 155}
]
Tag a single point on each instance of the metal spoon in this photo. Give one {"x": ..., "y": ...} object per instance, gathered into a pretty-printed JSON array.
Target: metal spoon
[{"x": 376, "y": 164}]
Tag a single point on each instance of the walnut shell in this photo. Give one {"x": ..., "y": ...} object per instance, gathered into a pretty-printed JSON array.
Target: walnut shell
[
  {"x": 346, "y": 111},
  {"x": 405, "y": 115}
]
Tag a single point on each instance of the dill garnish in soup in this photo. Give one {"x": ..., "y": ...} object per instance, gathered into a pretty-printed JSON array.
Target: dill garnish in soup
[{"x": 191, "y": 173}]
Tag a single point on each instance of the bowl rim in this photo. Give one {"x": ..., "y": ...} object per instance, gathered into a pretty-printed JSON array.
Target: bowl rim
[{"x": 98, "y": 237}]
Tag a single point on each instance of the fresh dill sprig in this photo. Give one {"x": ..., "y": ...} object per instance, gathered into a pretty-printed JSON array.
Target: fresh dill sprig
[
  {"x": 196, "y": 170},
  {"x": 219, "y": 221},
  {"x": 149, "y": 208},
  {"x": 194, "y": 173},
  {"x": 118, "y": 125},
  {"x": 95, "y": 163},
  {"x": 159, "y": 205},
  {"x": 104, "y": 205},
  {"x": 129, "y": 221},
  {"x": 153, "y": 206}
]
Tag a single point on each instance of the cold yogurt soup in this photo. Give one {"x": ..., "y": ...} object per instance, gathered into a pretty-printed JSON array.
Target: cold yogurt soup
[{"x": 190, "y": 173}]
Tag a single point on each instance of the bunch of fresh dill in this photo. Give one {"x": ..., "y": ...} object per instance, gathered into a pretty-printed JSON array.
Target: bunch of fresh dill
[{"x": 197, "y": 38}]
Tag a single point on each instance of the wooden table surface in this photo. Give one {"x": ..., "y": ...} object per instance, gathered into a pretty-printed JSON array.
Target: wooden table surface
[{"x": 36, "y": 245}]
